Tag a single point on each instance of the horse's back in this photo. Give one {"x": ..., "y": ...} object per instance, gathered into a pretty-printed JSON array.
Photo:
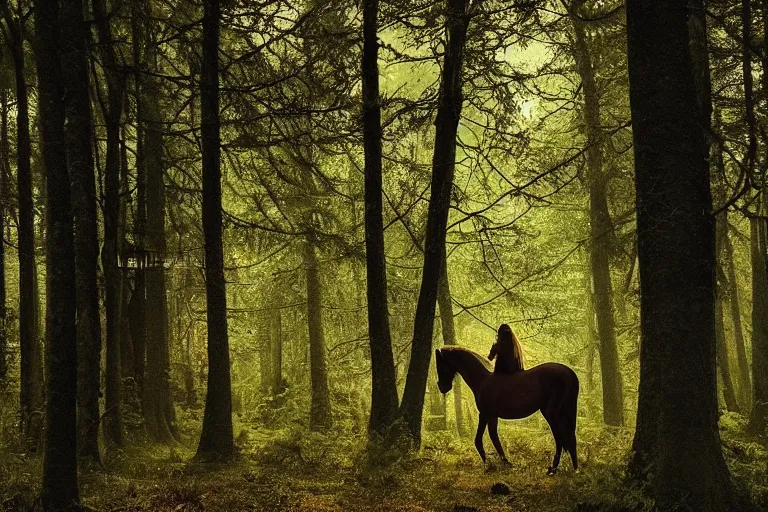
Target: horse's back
[{"x": 556, "y": 370}]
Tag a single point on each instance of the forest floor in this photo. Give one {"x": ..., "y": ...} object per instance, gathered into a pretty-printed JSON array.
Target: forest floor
[{"x": 294, "y": 470}]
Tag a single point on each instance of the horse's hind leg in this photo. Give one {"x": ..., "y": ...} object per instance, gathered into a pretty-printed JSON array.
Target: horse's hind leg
[
  {"x": 493, "y": 431},
  {"x": 572, "y": 451},
  {"x": 556, "y": 461},
  {"x": 482, "y": 422},
  {"x": 554, "y": 427}
]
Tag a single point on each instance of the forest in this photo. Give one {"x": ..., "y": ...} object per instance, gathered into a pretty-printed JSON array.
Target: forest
[{"x": 257, "y": 255}]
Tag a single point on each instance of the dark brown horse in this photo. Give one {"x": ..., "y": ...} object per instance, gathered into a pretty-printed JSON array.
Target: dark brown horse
[{"x": 551, "y": 388}]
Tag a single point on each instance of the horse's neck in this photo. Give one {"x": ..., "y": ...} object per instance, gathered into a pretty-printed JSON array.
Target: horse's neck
[{"x": 471, "y": 369}]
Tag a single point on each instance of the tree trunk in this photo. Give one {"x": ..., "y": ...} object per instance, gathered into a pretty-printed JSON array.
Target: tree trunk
[
  {"x": 157, "y": 404},
  {"x": 5, "y": 173},
  {"x": 216, "y": 440},
  {"x": 384, "y": 401},
  {"x": 591, "y": 328},
  {"x": 276, "y": 337},
  {"x": 264, "y": 334},
  {"x": 758, "y": 418},
  {"x": 59, "y": 486},
  {"x": 601, "y": 234},
  {"x": 320, "y": 412},
  {"x": 677, "y": 432},
  {"x": 78, "y": 131},
  {"x": 31, "y": 400},
  {"x": 138, "y": 324},
  {"x": 112, "y": 283},
  {"x": 729, "y": 394},
  {"x": 443, "y": 166},
  {"x": 745, "y": 385},
  {"x": 449, "y": 338}
]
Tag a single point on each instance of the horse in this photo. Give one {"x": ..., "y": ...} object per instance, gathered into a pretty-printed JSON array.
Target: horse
[{"x": 551, "y": 388}]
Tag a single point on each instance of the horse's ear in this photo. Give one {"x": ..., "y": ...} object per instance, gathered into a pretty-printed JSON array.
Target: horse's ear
[{"x": 438, "y": 355}]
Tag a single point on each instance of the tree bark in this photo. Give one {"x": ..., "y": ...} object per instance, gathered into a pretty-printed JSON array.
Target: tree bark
[
  {"x": 723, "y": 362},
  {"x": 157, "y": 404},
  {"x": 320, "y": 412},
  {"x": 31, "y": 400},
  {"x": 443, "y": 166},
  {"x": 113, "y": 424},
  {"x": 758, "y": 418},
  {"x": 5, "y": 172},
  {"x": 59, "y": 487},
  {"x": 601, "y": 234},
  {"x": 449, "y": 338},
  {"x": 276, "y": 337},
  {"x": 745, "y": 384},
  {"x": 138, "y": 324},
  {"x": 216, "y": 440},
  {"x": 384, "y": 400},
  {"x": 677, "y": 432},
  {"x": 78, "y": 131}
]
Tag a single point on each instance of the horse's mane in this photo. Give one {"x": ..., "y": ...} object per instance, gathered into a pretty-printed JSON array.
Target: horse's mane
[{"x": 475, "y": 358}]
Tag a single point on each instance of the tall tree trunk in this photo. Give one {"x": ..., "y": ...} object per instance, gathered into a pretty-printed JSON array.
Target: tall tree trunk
[
  {"x": 216, "y": 440},
  {"x": 276, "y": 337},
  {"x": 758, "y": 418},
  {"x": 677, "y": 430},
  {"x": 5, "y": 173},
  {"x": 449, "y": 337},
  {"x": 745, "y": 385},
  {"x": 112, "y": 282},
  {"x": 59, "y": 487},
  {"x": 123, "y": 316},
  {"x": 384, "y": 401},
  {"x": 158, "y": 407},
  {"x": 723, "y": 362},
  {"x": 601, "y": 234},
  {"x": 443, "y": 166},
  {"x": 138, "y": 317},
  {"x": 264, "y": 334},
  {"x": 78, "y": 131},
  {"x": 320, "y": 413},
  {"x": 31, "y": 400},
  {"x": 591, "y": 328}
]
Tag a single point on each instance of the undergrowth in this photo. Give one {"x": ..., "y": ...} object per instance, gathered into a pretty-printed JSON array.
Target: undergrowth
[{"x": 289, "y": 468}]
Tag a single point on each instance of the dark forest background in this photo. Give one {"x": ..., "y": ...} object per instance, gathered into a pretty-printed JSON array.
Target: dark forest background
[{"x": 235, "y": 231}]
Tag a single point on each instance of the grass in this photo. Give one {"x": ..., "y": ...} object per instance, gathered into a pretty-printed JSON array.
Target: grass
[{"x": 294, "y": 470}]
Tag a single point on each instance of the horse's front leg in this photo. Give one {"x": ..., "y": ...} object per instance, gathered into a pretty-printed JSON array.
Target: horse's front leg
[
  {"x": 493, "y": 431},
  {"x": 481, "y": 424}
]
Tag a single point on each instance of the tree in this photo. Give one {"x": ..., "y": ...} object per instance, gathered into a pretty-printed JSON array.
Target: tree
[
  {"x": 216, "y": 441},
  {"x": 443, "y": 166},
  {"x": 723, "y": 362},
  {"x": 758, "y": 418},
  {"x": 676, "y": 435},
  {"x": 448, "y": 328},
  {"x": 384, "y": 400},
  {"x": 5, "y": 172},
  {"x": 78, "y": 131},
  {"x": 31, "y": 399},
  {"x": 157, "y": 403},
  {"x": 320, "y": 409},
  {"x": 60, "y": 487},
  {"x": 601, "y": 227},
  {"x": 113, "y": 424}
]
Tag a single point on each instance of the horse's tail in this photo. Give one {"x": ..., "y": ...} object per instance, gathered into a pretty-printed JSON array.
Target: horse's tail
[{"x": 569, "y": 405}]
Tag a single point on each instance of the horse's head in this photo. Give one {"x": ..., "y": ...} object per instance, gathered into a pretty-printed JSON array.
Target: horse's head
[{"x": 445, "y": 372}]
